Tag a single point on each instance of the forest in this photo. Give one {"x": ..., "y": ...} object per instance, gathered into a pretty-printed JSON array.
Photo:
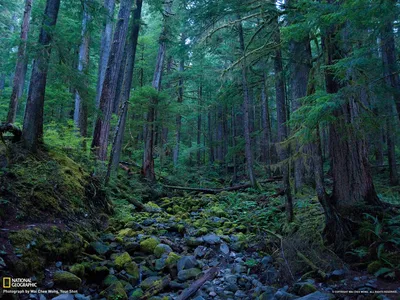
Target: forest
[{"x": 199, "y": 149}]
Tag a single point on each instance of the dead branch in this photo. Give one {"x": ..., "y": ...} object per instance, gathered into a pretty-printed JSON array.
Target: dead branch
[
  {"x": 219, "y": 190},
  {"x": 209, "y": 275}
]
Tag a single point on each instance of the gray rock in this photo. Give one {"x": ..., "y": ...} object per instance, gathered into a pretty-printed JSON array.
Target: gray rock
[
  {"x": 42, "y": 297},
  {"x": 160, "y": 264},
  {"x": 338, "y": 274},
  {"x": 240, "y": 294},
  {"x": 317, "y": 296},
  {"x": 100, "y": 248},
  {"x": 58, "y": 264},
  {"x": 64, "y": 297},
  {"x": 187, "y": 262},
  {"x": 200, "y": 251},
  {"x": 238, "y": 268},
  {"x": 224, "y": 249},
  {"x": 212, "y": 239},
  {"x": 82, "y": 297},
  {"x": 199, "y": 298},
  {"x": 266, "y": 261},
  {"x": 282, "y": 295},
  {"x": 188, "y": 274},
  {"x": 212, "y": 294},
  {"x": 231, "y": 279}
]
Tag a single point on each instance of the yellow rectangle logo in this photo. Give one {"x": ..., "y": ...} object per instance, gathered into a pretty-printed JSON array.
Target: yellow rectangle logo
[{"x": 6, "y": 282}]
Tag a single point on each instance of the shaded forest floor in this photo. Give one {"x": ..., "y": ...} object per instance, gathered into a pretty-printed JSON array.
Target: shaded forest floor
[{"x": 59, "y": 226}]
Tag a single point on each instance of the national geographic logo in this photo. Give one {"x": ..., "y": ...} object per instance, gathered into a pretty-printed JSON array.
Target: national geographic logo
[
  {"x": 6, "y": 283},
  {"x": 9, "y": 283}
]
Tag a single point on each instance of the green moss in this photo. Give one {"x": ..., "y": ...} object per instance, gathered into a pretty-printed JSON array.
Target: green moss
[
  {"x": 133, "y": 270},
  {"x": 122, "y": 259},
  {"x": 136, "y": 294},
  {"x": 115, "y": 291},
  {"x": 109, "y": 280},
  {"x": 66, "y": 280},
  {"x": 172, "y": 259},
  {"x": 374, "y": 267},
  {"x": 149, "y": 245},
  {"x": 78, "y": 270},
  {"x": 127, "y": 232}
]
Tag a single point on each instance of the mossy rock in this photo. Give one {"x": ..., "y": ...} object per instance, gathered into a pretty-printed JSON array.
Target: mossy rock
[
  {"x": 110, "y": 280},
  {"x": 66, "y": 280},
  {"x": 374, "y": 266},
  {"x": 136, "y": 294},
  {"x": 162, "y": 249},
  {"x": 115, "y": 291},
  {"x": 188, "y": 274},
  {"x": 150, "y": 282},
  {"x": 149, "y": 245},
  {"x": 78, "y": 270},
  {"x": 172, "y": 259},
  {"x": 122, "y": 259},
  {"x": 124, "y": 262},
  {"x": 202, "y": 231},
  {"x": 127, "y": 232}
]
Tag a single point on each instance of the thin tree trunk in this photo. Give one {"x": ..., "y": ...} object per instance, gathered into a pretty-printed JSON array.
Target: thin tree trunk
[
  {"x": 21, "y": 66},
  {"x": 81, "y": 107},
  {"x": 106, "y": 36},
  {"x": 180, "y": 100},
  {"x": 246, "y": 107},
  {"x": 199, "y": 120},
  {"x": 148, "y": 159},
  {"x": 33, "y": 119},
  {"x": 210, "y": 138},
  {"x": 391, "y": 145},
  {"x": 102, "y": 128},
  {"x": 281, "y": 110},
  {"x": 126, "y": 89},
  {"x": 266, "y": 127}
]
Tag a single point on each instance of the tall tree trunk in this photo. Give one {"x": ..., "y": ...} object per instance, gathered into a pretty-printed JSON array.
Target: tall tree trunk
[
  {"x": 102, "y": 128},
  {"x": 148, "y": 159},
  {"x": 246, "y": 107},
  {"x": 20, "y": 69},
  {"x": 126, "y": 89},
  {"x": 391, "y": 148},
  {"x": 389, "y": 59},
  {"x": 281, "y": 110},
  {"x": 352, "y": 179},
  {"x": 300, "y": 63},
  {"x": 210, "y": 137},
  {"x": 180, "y": 100},
  {"x": 199, "y": 120},
  {"x": 33, "y": 119},
  {"x": 266, "y": 127},
  {"x": 81, "y": 107},
  {"x": 105, "y": 47}
]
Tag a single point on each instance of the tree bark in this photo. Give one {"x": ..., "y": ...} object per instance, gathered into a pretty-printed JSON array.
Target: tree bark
[
  {"x": 281, "y": 110},
  {"x": 266, "y": 127},
  {"x": 180, "y": 100},
  {"x": 126, "y": 88},
  {"x": 246, "y": 107},
  {"x": 389, "y": 59},
  {"x": 106, "y": 36},
  {"x": 33, "y": 119},
  {"x": 81, "y": 107},
  {"x": 300, "y": 63},
  {"x": 20, "y": 69},
  {"x": 102, "y": 128},
  {"x": 148, "y": 159}
]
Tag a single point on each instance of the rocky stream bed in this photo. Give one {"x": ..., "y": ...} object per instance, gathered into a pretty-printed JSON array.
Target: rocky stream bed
[{"x": 175, "y": 250}]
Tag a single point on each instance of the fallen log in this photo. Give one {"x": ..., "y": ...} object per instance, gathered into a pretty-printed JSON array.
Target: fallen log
[
  {"x": 11, "y": 128},
  {"x": 209, "y": 275},
  {"x": 157, "y": 288},
  {"x": 219, "y": 190}
]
